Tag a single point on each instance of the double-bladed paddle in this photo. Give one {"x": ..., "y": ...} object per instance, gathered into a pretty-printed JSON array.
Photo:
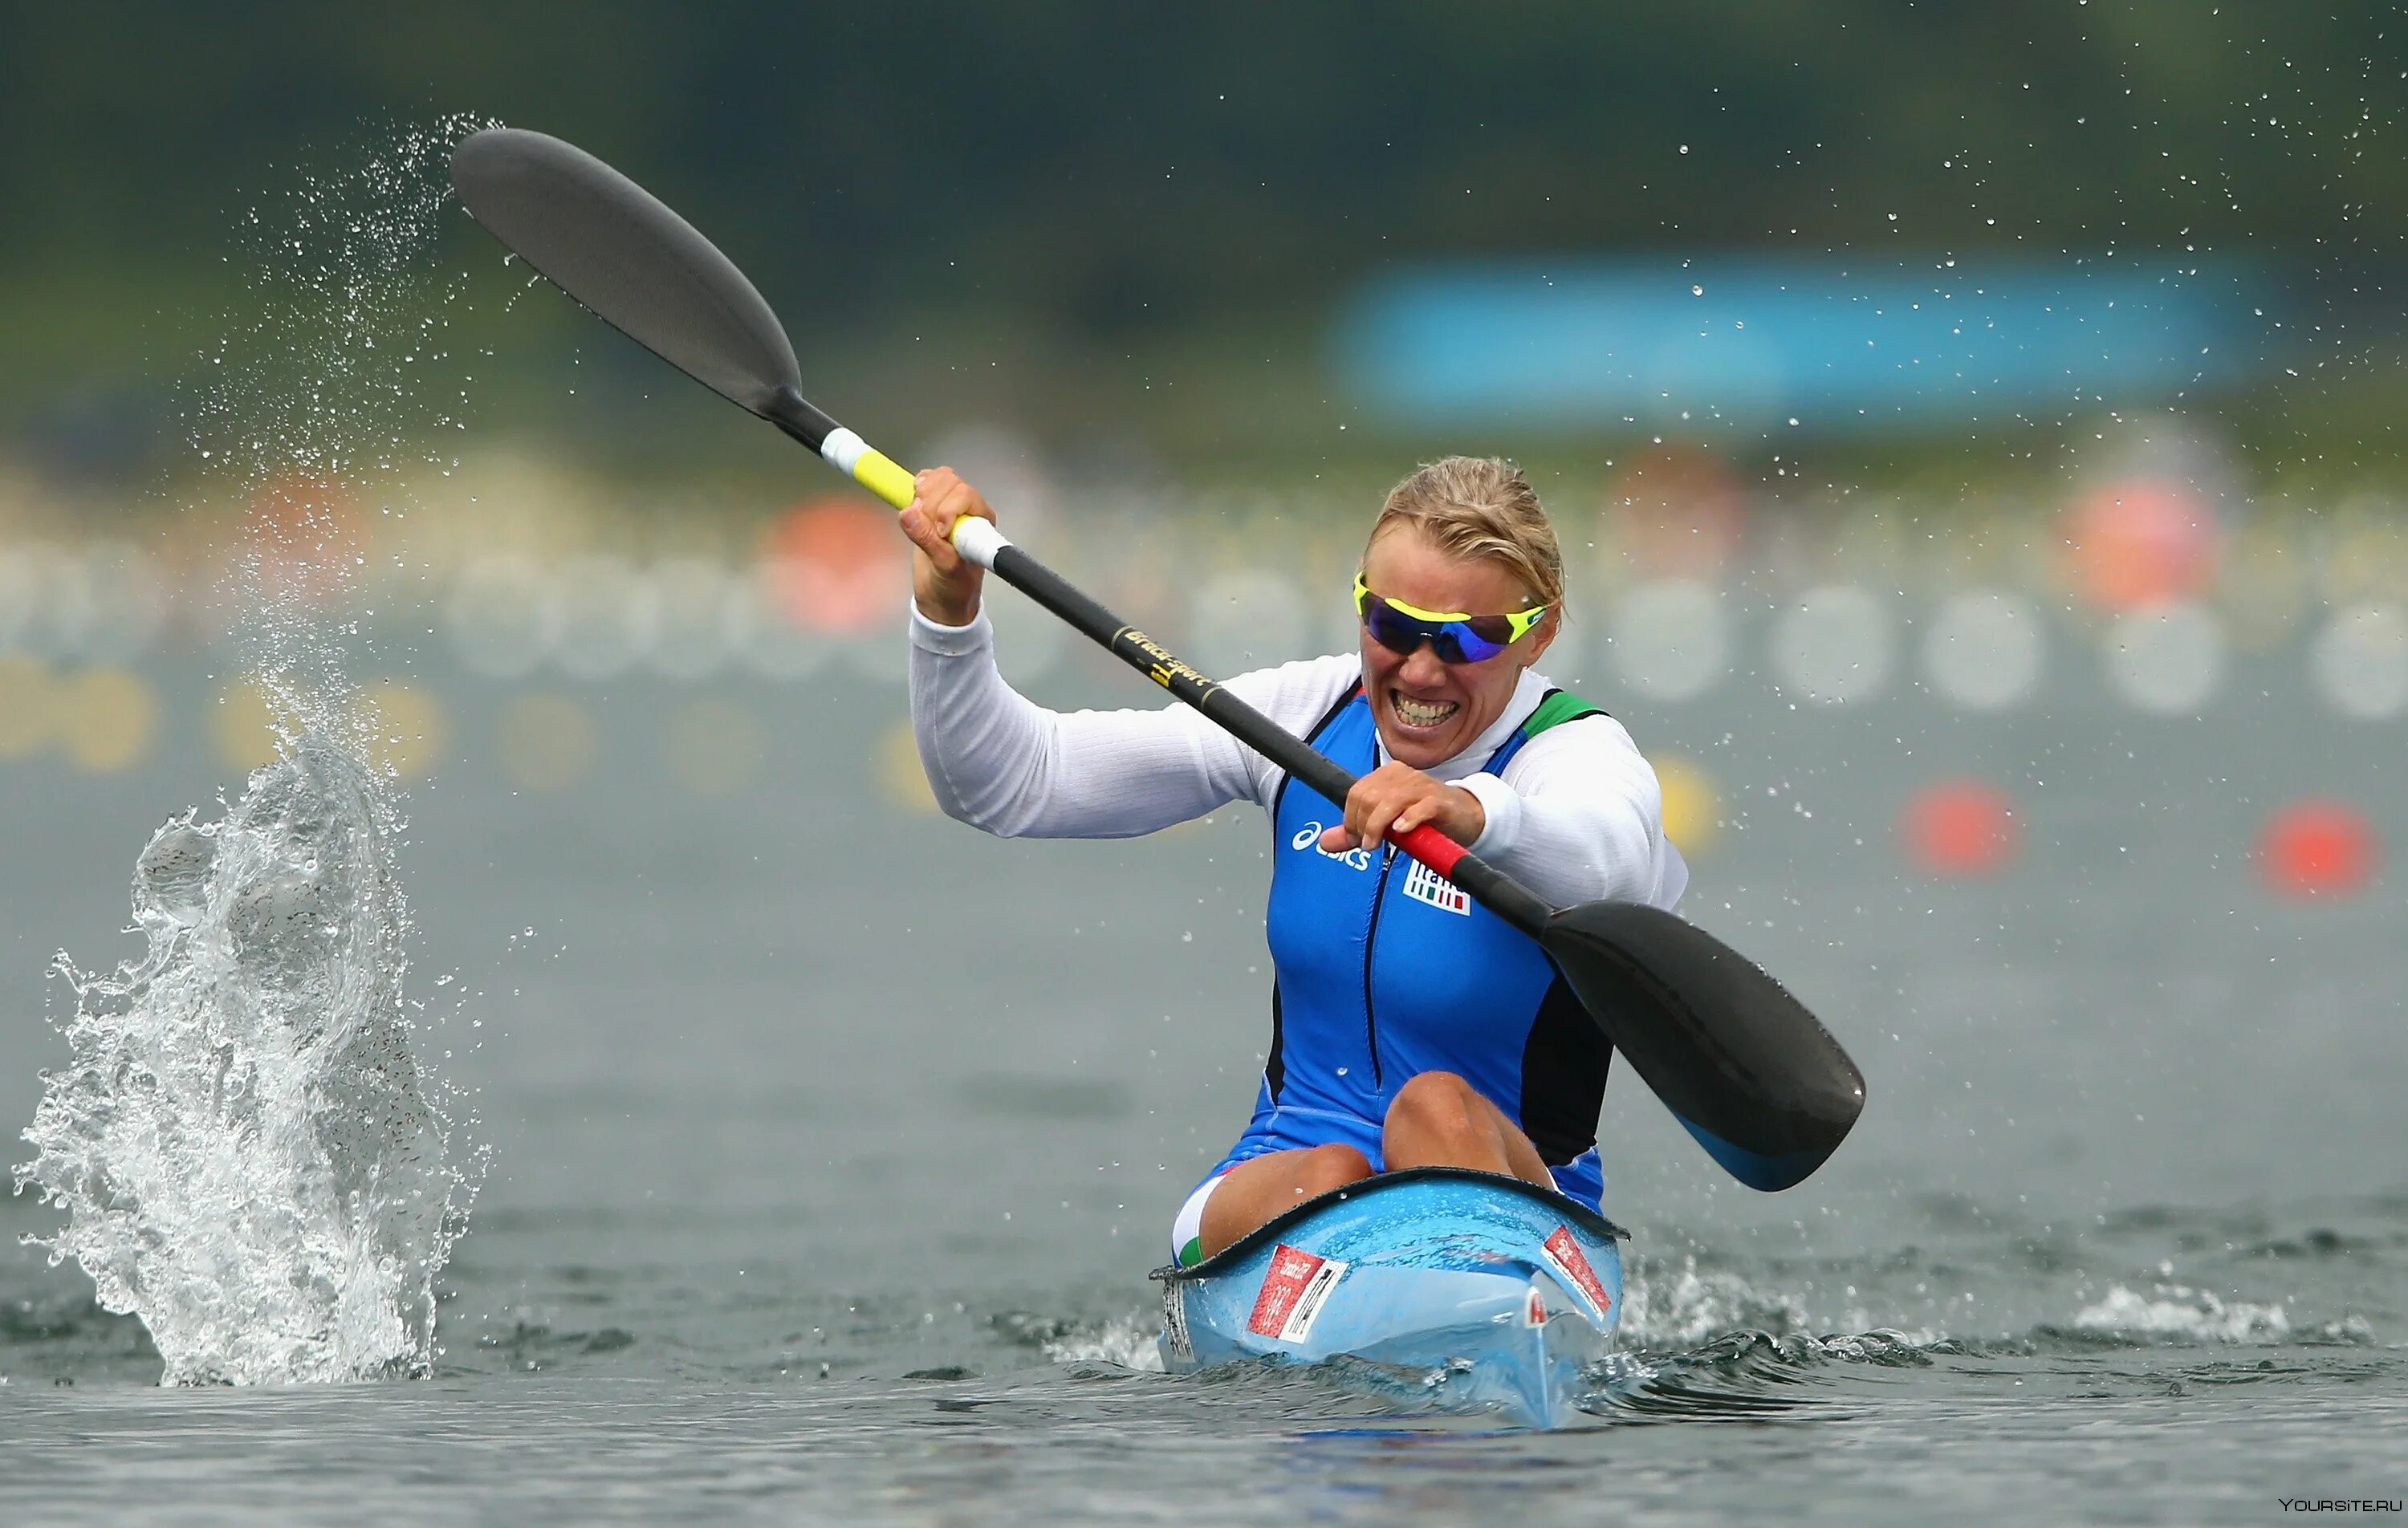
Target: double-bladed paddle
[{"x": 1738, "y": 1060}]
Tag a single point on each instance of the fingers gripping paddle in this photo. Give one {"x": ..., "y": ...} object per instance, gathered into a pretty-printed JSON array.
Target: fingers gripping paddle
[{"x": 1740, "y": 1062}]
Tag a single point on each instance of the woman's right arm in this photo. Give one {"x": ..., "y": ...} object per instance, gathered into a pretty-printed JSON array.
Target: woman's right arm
[{"x": 999, "y": 761}]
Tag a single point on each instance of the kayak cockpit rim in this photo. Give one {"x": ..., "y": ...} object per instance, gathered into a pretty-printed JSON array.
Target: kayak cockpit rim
[{"x": 1271, "y": 1230}]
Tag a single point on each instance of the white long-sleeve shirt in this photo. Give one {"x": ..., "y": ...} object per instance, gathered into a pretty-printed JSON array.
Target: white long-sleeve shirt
[{"x": 1576, "y": 815}]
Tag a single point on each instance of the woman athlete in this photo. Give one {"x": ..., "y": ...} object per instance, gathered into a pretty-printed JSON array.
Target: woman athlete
[{"x": 1410, "y": 1026}]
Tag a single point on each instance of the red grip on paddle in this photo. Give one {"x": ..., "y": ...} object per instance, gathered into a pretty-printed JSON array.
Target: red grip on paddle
[{"x": 1432, "y": 847}]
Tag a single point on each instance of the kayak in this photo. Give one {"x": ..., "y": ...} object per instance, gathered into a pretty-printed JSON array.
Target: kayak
[{"x": 1468, "y": 1291}]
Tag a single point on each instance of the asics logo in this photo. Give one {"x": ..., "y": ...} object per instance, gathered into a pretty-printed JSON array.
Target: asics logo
[{"x": 1309, "y": 836}]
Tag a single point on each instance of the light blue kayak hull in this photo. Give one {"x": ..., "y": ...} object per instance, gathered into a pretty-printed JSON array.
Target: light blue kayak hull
[{"x": 1468, "y": 1291}]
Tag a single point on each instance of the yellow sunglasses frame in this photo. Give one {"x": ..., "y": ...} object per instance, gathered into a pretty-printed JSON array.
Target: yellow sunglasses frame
[{"x": 1519, "y": 621}]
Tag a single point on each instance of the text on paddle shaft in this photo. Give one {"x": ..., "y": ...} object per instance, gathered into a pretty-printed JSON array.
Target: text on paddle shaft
[{"x": 1166, "y": 665}]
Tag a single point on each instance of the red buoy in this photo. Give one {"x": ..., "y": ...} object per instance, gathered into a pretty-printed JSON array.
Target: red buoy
[
  {"x": 2317, "y": 848},
  {"x": 1958, "y": 828}
]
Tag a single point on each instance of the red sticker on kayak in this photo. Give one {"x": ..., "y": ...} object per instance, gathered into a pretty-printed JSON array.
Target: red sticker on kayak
[
  {"x": 1535, "y": 1312},
  {"x": 1293, "y": 1291},
  {"x": 1569, "y": 1260}
]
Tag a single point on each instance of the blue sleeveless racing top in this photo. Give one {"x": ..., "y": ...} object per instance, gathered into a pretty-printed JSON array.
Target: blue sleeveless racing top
[{"x": 1382, "y": 969}]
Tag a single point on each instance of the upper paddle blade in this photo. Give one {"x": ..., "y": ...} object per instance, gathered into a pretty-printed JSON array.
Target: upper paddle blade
[
  {"x": 1755, "y": 1078},
  {"x": 612, "y": 245}
]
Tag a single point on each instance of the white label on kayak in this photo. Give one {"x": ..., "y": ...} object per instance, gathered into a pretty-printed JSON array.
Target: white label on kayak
[
  {"x": 1308, "y": 1305},
  {"x": 1565, "y": 1256},
  {"x": 1295, "y": 1289},
  {"x": 1424, "y": 884},
  {"x": 1174, "y": 1321}
]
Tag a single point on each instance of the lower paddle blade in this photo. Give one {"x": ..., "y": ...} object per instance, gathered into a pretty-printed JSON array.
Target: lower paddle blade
[
  {"x": 612, "y": 245},
  {"x": 1754, "y": 1077}
]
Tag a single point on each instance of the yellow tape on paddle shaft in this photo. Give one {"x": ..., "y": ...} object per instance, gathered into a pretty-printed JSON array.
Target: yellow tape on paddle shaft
[{"x": 878, "y": 472}]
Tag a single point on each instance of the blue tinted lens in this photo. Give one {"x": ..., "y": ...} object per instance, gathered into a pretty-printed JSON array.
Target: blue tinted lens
[
  {"x": 1469, "y": 646},
  {"x": 1402, "y": 634}
]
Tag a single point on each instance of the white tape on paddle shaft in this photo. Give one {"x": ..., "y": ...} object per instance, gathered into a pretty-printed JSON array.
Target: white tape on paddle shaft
[
  {"x": 977, "y": 539},
  {"x": 842, "y": 449}
]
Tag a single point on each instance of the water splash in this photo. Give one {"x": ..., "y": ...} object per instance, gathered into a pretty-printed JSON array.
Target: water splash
[
  {"x": 335, "y": 379},
  {"x": 1673, "y": 1308},
  {"x": 2176, "y": 1312},
  {"x": 1127, "y": 1342},
  {"x": 250, "y": 1157}
]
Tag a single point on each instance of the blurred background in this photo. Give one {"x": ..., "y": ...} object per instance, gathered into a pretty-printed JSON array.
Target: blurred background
[{"x": 1974, "y": 432}]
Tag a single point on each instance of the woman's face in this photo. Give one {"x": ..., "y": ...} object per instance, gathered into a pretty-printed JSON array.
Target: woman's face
[{"x": 1429, "y": 711}]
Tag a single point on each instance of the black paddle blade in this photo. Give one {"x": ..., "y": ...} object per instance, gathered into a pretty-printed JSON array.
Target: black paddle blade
[
  {"x": 612, "y": 245},
  {"x": 1754, "y": 1077}
]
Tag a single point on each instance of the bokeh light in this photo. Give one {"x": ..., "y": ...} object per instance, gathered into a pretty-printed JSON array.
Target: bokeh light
[
  {"x": 902, "y": 781},
  {"x": 1675, "y": 512},
  {"x": 242, "y": 725},
  {"x": 1670, "y": 639},
  {"x": 106, "y": 719},
  {"x": 1958, "y": 828},
  {"x": 502, "y": 618},
  {"x": 2359, "y": 662},
  {"x": 775, "y": 646},
  {"x": 1690, "y": 803},
  {"x": 2166, "y": 659},
  {"x": 702, "y": 616},
  {"x": 1984, "y": 650},
  {"x": 2140, "y": 541},
  {"x": 608, "y": 616},
  {"x": 404, "y": 726},
  {"x": 306, "y": 536},
  {"x": 1836, "y": 644},
  {"x": 2317, "y": 848},
  {"x": 837, "y": 564}
]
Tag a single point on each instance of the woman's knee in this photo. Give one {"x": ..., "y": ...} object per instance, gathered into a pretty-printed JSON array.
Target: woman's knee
[
  {"x": 1330, "y": 1167},
  {"x": 1436, "y": 1103}
]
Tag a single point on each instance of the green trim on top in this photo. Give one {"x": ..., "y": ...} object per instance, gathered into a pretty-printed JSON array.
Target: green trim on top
[{"x": 1562, "y": 705}]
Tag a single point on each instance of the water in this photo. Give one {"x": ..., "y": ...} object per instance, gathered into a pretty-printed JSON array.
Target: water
[{"x": 832, "y": 1143}]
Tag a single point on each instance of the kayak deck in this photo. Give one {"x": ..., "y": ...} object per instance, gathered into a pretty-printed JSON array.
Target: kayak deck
[{"x": 1487, "y": 1291}]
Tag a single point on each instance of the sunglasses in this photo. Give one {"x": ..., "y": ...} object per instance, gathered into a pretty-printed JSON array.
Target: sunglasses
[{"x": 1458, "y": 638}]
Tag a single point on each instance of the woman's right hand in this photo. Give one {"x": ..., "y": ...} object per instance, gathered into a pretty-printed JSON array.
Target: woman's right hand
[{"x": 944, "y": 583}]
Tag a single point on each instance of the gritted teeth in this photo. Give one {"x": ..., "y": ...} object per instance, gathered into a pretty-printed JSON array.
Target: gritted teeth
[{"x": 1422, "y": 713}]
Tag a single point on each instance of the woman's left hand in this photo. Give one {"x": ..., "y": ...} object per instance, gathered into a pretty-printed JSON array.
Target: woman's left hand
[{"x": 1397, "y": 797}]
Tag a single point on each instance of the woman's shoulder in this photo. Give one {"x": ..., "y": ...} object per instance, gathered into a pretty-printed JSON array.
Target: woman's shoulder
[
  {"x": 1558, "y": 721},
  {"x": 1296, "y": 695}
]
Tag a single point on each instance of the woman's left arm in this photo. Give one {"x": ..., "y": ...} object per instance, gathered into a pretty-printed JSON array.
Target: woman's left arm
[{"x": 1578, "y": 816}]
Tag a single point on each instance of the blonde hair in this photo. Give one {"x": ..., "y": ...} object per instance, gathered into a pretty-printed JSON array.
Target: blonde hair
[{"x": 1479, "y": 506}]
